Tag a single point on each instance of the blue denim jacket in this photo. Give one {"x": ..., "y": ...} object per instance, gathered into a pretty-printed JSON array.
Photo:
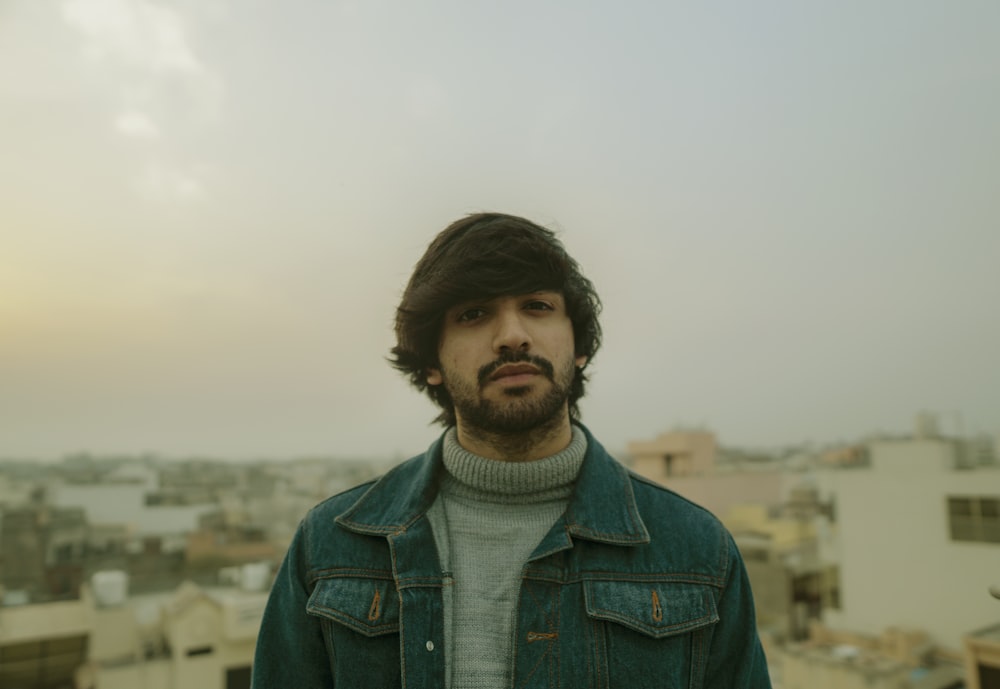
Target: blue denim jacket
[{"x": 633, "y": 586}]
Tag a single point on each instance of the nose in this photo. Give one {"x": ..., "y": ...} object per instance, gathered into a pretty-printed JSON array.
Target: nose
[{"x": 511, "y": 333}]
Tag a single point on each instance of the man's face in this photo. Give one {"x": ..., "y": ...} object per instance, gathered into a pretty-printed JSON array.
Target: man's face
[{"x": 508, "y": 362}]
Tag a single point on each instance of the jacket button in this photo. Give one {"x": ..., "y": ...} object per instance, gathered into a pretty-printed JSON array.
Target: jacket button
[{"x": 430, "y": 645}]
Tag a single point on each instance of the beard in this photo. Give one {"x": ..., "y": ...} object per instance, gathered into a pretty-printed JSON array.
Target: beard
[{"x": 520, "y": 410}]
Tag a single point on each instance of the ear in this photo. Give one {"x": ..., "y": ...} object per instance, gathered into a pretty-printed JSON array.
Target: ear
[
  {"x": 434, "y": 376},
  {"x": 581, "y": 361}
]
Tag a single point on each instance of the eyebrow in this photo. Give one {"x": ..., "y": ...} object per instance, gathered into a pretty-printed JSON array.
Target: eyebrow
[{"x": 520, "y": 295}]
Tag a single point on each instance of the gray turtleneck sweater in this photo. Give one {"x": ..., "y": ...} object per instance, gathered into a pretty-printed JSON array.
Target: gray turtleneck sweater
[{"x": 487, "y": 519}]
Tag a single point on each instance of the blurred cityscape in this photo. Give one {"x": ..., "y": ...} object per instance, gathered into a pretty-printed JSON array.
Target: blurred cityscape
[{"x": 874, "y": 564}]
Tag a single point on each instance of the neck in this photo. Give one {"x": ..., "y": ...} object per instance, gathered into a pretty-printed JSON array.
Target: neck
[{"x": 542, "y": 441}]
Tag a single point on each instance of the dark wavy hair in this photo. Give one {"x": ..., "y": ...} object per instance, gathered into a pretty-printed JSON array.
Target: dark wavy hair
[{"x": 483, "y": 256}]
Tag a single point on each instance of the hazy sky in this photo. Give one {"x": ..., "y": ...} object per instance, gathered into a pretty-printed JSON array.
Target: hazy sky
[{"x": 208, "y": 209}]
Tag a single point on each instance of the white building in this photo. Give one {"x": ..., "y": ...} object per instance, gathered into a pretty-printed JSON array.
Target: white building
[
  {"x": 125, "y": 502},
  {"x": 918, "y": 541}
]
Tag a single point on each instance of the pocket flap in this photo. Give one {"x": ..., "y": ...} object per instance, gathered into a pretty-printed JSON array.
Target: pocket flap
[
  {"x": 656, "y": 609},
  {"x": 368, "y": 606}
]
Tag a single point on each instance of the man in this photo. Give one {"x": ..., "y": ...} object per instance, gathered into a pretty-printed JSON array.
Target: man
[{"x": 514, "y": 552}]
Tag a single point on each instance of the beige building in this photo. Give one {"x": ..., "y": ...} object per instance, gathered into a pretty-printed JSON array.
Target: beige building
[
  {"x": 792, "y": 585},
  {"x": 895, "y": 659},
  {"x": 41, "y": 646},
  {"x": 687, "y": 462},
  {"x": 192, "y": 638},
  {"x": 674, "y": 454},
  {"x": 982, "y": 657},
  {"x": 790, "y": 580}
]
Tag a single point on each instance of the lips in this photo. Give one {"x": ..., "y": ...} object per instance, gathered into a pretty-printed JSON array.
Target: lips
[
  {"x": 515, "y": 365},
  {"x": 514, "y": 370}
]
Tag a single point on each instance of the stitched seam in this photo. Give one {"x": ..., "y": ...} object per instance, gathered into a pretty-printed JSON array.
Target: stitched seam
[
  {"x": 534, "y": 668},
  {"x": 541, "y": 657},
  {"x": 653, "y": 577},
  {"x": 632, "y": 623},
  {"x": 331, "y": 652},
  {"x": 308, "y": 546},
  {"x": 704, "y": 636},
  {"x": 402, "y": 635},
  {"x": 589, "y": 631},
  {"x": 630, "y": 503},
  {"x": 362, "y": 626},
  {"x": 695, "y": 658},
  {"x": 602, "y": 654},
  {"x": 420, "y": 582},
  {"x": 556, "y": 601},
  {"x": 517, "y": 634},
  {"x": 605, "y": 537},
  {"x": 378, "y": 529},
  {"x": 724, "y": 556},
  {"x": 315, "y": 575}
]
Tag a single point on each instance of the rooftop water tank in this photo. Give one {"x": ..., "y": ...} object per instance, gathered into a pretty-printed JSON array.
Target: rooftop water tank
[
  {"x": 110, "y": 587},
  {"x": 255, "y": 576}
]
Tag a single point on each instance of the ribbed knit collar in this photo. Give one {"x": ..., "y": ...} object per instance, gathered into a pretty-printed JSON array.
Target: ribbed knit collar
[{"x": 548, "y": 478}]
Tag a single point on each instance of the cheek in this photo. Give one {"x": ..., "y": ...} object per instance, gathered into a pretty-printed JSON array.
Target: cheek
[{"x": 454, "y": 356}]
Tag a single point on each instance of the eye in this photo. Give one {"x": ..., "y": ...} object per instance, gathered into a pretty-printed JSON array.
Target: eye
[
  {"x": 539, "y": 305},
  {"x": 469, "y": 315}
]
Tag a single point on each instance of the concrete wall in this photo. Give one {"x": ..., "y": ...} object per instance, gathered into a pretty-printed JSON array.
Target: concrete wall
[
  {"x": 43, "y": 621},
  {"x": 899, "y": 565},
  {"x": 720, "y": 493},
  {"x": 677, "y": 453}
]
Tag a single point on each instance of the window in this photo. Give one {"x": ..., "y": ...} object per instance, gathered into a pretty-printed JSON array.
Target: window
[
  {"x": 989, "y": 677},
  {"x": 199, "y": 651},
  {"x": 238, "y": 677},
  {"x": 755, "y": 554},
  {"x": 974, "y": 518}
]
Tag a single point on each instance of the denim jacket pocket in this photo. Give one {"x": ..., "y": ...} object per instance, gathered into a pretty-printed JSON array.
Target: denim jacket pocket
[
  {"x": 652, "y": 608},
  {"x": 367, "y": 606},
  {"x": 650, "y": 633},
  {"x": 359, "y": 617}
]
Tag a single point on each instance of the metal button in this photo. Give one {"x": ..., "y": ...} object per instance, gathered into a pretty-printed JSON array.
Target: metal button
[{"x": 430, "y": 645}]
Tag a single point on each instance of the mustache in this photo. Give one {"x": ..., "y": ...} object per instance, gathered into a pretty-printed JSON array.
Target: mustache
[{"x": 543, "y": 365}]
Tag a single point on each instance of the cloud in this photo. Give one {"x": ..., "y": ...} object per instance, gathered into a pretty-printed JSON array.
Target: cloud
[
  {"x": 136, "y": 32},
  {"x": 144, "y": 50},
  {"x": 137, "y": 124},
  {"x": 164, "y": 182}
]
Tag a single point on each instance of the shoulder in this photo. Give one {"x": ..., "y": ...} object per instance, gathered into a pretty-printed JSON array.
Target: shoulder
[
  {"x": 337, "y": 534},
  {"x": 329, "y": 509},
  {"x": 683, "y": 533},
  {"x": 653, "y": 501},
  {"x": 656, "y": 500},
  {"x": 377, "y": 490}
]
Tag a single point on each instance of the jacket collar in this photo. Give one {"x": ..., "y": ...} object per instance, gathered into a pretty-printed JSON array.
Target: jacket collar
[{"x": 602, "y": 507}]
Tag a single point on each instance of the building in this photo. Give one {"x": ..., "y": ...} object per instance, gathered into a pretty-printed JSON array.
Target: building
[
  {"x": 895, "y": 659},
  {"x": 42, "y": 645},
  {"x": 191, "y": 638},
  {"x": 918, "y": 539},
  {"x": 692, "y": 464},
  {"x": 982, "y": 656},
  {"x": 792, "y": 584}
]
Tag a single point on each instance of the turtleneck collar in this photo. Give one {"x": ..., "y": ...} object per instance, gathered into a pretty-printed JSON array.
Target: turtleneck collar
[{"x": 546, "y": 478}]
